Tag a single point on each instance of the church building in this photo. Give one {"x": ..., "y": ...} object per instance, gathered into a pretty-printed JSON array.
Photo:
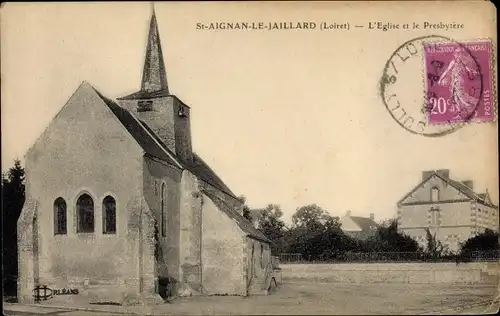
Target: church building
[{"x": 119, "y": 209}]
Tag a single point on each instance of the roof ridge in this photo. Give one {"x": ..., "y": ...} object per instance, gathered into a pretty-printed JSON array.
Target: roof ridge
[
  {"x": 457, "y": 184},
  {"x": 363, "y": 222},
  {"x": 462, "y": 187},
  {"x": 112, "y": 104},
  {"x": 226, "y": 190},
  {"x": 154, "y": 138}
]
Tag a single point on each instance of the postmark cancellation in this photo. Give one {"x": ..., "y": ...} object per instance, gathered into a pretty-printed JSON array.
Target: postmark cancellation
[{"x": 457, "y": 80}]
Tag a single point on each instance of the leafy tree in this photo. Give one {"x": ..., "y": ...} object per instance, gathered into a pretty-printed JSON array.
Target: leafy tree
[
  {"x": 434, "y": 246},
  {"x": 486, "y": 241},
  {"x": 270, "y": 224},
  {"x": 246, "y": 213},
  {"x": 388, "y": 239},
  {"x": 310, "y": 216},
  {"x": 13, "y": 196},
  {"x": 13, "y": 189},
  {"x": 315, "y": 234},
  {"x": 246, "y": 209}
]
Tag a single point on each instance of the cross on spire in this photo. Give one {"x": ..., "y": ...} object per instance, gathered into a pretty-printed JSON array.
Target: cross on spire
[{"x": 154, "y": 77}]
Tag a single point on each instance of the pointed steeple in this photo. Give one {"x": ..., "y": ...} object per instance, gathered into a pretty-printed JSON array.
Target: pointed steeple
[{"x": 154, "y": 77}]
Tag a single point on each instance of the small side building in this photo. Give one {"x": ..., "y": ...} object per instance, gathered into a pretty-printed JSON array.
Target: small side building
[{"x": 358, "y": 227}]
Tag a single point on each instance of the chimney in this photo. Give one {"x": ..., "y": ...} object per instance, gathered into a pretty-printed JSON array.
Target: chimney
[
  {"x": 348, "y": 213},
  {"x": 469, "y": 184},
  {"x": 372, "y": 216},
  {"x": 426, "y": 174},
  {"x": 444, "y": 172}
]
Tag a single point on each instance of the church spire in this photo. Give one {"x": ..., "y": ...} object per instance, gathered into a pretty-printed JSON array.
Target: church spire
[{"x": 154, "y": 77}]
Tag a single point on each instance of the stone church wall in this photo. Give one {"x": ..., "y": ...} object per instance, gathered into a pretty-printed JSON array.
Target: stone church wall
[
  {"x": 224, "y": 249},
  {"x": 156, "y": 174},
  {"x": 80, "y": 152},
  {"x": 190, "y": 211}
]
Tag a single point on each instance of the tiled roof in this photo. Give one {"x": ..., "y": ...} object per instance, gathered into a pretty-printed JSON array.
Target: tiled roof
[
  {"x": 152, "y": 145},
  {"x": 242, "y": 222},
  {"x": 365, "y": 223},
  {"x": 467, "y": 191},
  {"x": 462, "y": 188},
  {"x": 201, "y": 169}
]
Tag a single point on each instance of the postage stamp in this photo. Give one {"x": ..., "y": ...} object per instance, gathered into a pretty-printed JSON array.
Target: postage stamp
[
  {"x": 404, "y": 71},
  {"x": 459, "y": 82}
]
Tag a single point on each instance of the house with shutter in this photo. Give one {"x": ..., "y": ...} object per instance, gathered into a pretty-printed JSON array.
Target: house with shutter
[
  {"x": 450, "y": 209},
  {"x": 120, "y": 209},
  {"x": 357, "y": 226}
]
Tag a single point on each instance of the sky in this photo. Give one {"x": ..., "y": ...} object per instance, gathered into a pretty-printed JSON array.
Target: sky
[{"x": 285, "y": 117}]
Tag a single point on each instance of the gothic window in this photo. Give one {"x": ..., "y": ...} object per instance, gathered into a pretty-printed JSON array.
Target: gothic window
[
  {"x": 109, "y": 215},
  {"x": 163, "y": 210},
  {"x": 434, "y": 194},
  {"x": 144, "y": 106},
  {"x": 60, "y": 219},
  {"x": 85, "y": 214}
]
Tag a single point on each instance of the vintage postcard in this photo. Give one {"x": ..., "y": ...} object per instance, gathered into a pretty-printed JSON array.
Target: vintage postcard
[{"x": 250, "y": 158}]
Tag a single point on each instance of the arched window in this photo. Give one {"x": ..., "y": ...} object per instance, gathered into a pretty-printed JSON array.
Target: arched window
[
  {"x": 85, "y": 214},
  {"x": 60, "y": 219},
  {"x": 163, "y": 210},
  {"x": 434, "y": 194},
  {"x": 109, "y": 215}
]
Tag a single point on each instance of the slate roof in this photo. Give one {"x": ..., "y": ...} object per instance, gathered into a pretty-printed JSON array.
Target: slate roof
[
  {"x": 137, "y": 130},
  {"x": 153, "y": 146},
  {"x": 245, "y": 225},
  {"x": 460, "y": 186},
  {"x": 201, "y": 169},
  {"x": 365, "y": 223}
]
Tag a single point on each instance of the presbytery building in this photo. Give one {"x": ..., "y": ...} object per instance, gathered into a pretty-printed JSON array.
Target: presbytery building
[{"x": 451, "y": 210}]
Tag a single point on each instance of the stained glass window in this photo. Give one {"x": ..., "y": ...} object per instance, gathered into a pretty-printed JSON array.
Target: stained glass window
[
  {"x": 109, "y": 215},
  {"x": 60, "y": 219},
  {"x": 85, "y": 214}
]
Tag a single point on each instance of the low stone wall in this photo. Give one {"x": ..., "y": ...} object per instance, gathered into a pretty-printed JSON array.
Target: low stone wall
[{"x": 475, "y": 272}]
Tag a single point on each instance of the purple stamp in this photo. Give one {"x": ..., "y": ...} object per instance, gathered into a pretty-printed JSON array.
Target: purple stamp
[{"x": 459, "y": 82}]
